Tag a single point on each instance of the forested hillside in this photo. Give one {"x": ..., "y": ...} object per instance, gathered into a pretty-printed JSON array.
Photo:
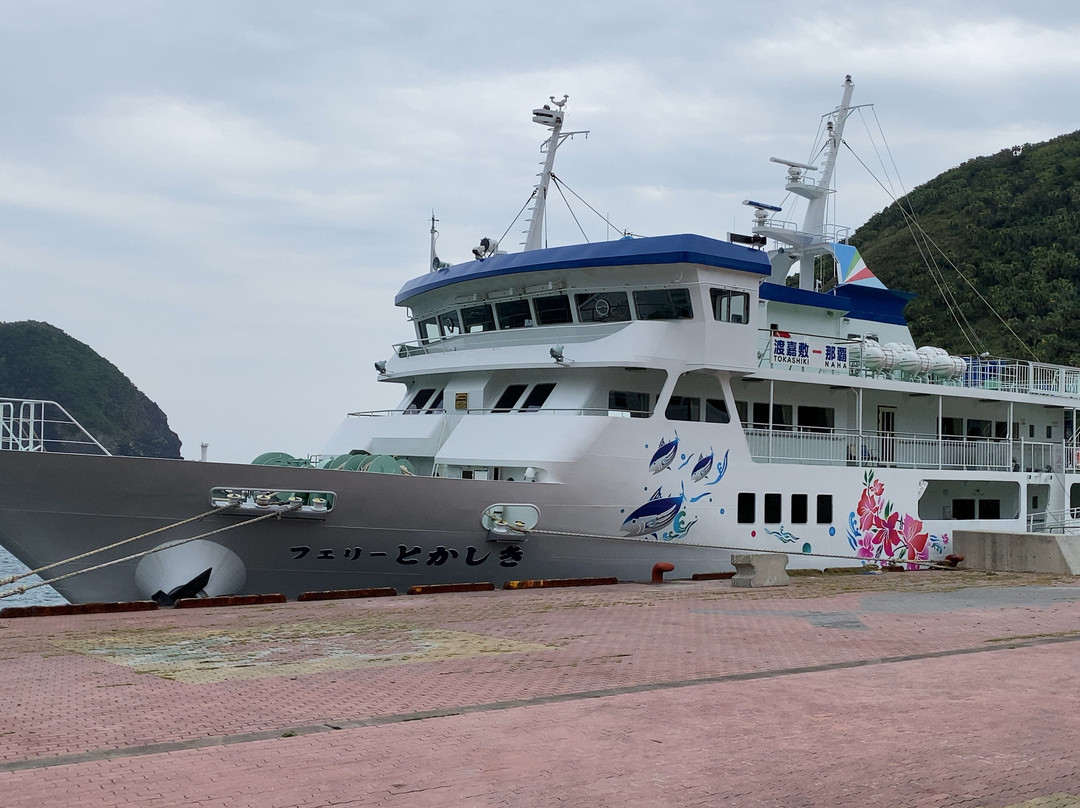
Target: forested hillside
[
  {"x": 40, "y": 361},
  {"x": 1011, "y": 224}
]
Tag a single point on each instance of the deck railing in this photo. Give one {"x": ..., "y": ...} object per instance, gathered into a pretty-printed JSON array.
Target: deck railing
[
  {"x": 31, "y": 425},
  {"x": 905, "y": 450}
]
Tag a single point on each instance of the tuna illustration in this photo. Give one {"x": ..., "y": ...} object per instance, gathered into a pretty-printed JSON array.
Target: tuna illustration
[
  {"x": 722, "y": 468},
  {"x": 664, "y": 454},
  {"x": 702, "y": 467},
  {"x": 654, "y": 515}
]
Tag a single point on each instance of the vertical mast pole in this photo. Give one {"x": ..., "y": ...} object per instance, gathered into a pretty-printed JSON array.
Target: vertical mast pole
[
  {"x": 553, "y": 118},
  {"x": 815, "y": 211}
]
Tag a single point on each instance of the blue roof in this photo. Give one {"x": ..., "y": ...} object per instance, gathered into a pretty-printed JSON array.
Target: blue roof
[
  {"x": 679, "y": 249},
  {"x": 858, "y": 302}
]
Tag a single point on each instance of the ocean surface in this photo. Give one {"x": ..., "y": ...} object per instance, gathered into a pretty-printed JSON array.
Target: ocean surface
[{"x": 40, "y": 596}]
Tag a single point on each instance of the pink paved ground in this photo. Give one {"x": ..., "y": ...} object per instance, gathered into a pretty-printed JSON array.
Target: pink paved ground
[{"x": 904, "y": 689}]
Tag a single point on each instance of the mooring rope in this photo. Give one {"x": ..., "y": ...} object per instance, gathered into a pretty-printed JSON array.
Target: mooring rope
[
  {"x": 519, "y": 528},
  {"x": 19, "y": 590}
]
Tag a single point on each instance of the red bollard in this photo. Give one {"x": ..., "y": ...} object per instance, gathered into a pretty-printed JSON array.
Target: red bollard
[{"x": 659, "y": 569}]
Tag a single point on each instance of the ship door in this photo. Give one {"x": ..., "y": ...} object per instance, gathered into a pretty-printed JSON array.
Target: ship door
[{"x": 886, "y": 426}]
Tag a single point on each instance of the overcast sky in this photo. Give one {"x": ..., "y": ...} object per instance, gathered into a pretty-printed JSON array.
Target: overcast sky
[{"x": 222, "y": 198}]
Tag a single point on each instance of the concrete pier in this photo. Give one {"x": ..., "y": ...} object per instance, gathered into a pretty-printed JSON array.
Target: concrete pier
[{"x": 913, "y": 689}]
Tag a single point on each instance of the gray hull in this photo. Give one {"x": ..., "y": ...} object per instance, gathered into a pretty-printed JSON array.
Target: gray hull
[{"x": 384, "y": 530}]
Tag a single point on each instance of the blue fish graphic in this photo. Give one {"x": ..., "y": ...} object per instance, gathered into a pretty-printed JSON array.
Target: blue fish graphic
[
  {"x": 721, "y": 469},
  {"x": 654, "y": 515},
  {"x": 702, "y": 467},
  {"x": 663, "y": 456}
]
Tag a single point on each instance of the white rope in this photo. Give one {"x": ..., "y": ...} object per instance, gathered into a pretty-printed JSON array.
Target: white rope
[
  {"x": 518, "y": 528},
  {"x": 39, "y": 570},
  {"x": 23, "y": 589}
]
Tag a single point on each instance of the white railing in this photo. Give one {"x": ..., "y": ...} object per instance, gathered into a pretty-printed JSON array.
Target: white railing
[
  {"x": 982, "y": 373},
  {"x": 30, "y": 425},
  {"x": 1064, "y": 521},
  {"x": 903, "y": 450}
]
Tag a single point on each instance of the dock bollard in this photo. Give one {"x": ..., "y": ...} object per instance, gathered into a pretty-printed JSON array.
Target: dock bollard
[{"x": 659, "y": 569}]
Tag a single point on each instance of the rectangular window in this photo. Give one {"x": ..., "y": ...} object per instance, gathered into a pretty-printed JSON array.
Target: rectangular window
[
  {"x": 716, "y": 411},
  {"x": 603, "y": 307},
  {"x": 979, "y": 428},
  {"x": 637, "y": 404},
  {"x": 663, "y": 304},
  {"x": 773, "y": 507},
  {"x": 824, "y": 509},
  {"x": 683, "y": 408},
  {"x": 449, "y": 324},
  {"x": 537, "y": 396},
  {"x": 513, "y": 313},
  {"x": 552, "y": 310},
  {"x": 1001, "y": 430},
  {"x": 747, "y": 507},
  {"x": 781, "y": 415},
  {"x": 477, "y": 318},
  {"x": 509, "y": 398},
  {"x": 420, "y": 399},
  {"x": 428, "y": 329},
  {"x": 989, "y": 508},
  {"x": 952, "y": 427},
  {"x": 799, "y": 508},
  {"x": 963, "y": 509},
  {"x": 741, "y": 409},
  {"x": 730, "y": 307},
  {"x": 1049, "y": 432},
  {"x": 817, "y": 419},
  {"x": 1031, "y": 430}
]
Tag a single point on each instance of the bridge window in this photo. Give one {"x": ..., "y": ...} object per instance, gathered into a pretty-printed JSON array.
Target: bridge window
[
  {"x": 420, "y": 399},
  {"x": 449, "y": 323},
  {"x": 553, "y": 310},
  {"x": 729, "y": 306},
  {"x": 603, "y": 307},
  {"x": 514, "y": 313},
  {"x": 477, "y": 318},
  {"x": 663, "y": 304},
  {"x": 428, "y": 329}
]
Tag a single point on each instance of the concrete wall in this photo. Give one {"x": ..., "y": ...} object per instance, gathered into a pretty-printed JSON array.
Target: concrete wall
[{"x": 1018, "y": 552}]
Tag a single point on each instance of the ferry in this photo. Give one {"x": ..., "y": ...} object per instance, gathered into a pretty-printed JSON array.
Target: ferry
[{"x": 587, "y": 411}]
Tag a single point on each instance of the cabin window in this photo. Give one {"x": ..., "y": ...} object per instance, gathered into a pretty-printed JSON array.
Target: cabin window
[
  {"x": 824, "y": 509},
  {"x": 963, "y": 509},
  {"x": 979, "y": 428},
  {"x": 747, "y": 507},
  {"x": 477, "y": 318},
  {"x": 716, "y": 411},
  {"x": 663, "y": 304},
  {"x": 730, "y": 307},
  {"x": 741, "y": 409},
  {"x": 1001, "y": 430},
  {"x": 637, "y": 404},
  {"x": 781, "y": 416},
  {"x": 553, "y": 310},
  {"x": 989, "y": 508},
  {"x": 1031, "y": 430},
  {"x": 514, "y": 313},
  {"x": 952, "y": 427},
  {"x": 537, "y": 396},
  {"x": 420, "y": 399},
  {"x": 509, "y": 398},
  {"x": 1049, "y": 432},
  {"x": 449, "y": 323},
  {"x": 799, "y": 508},
  {"x": 428, "y": 329},
  {"x": 817, "y": 419},
  {"x": 603, "y": 307},
  {"x": 436, "y": 403},
  {"x": 683, "y": 408},
  {"x": 773, "y": 507}
]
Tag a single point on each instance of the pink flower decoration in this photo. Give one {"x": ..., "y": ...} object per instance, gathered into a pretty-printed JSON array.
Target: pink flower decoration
[
  {"x": 889, "y": 533},
  {"x": 867, "y": 510},
  {"x": 915, "y": 538},
  {"x": 878, "y": 487}
]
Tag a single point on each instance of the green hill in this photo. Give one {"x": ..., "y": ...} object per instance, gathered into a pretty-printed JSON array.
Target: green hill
[
  {"x": 39, "y": 361},
  {"x": 1011, "y": 224}
]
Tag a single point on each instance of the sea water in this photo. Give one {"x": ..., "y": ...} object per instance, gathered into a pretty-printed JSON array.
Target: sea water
[{"x": 39, "y": 596}]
